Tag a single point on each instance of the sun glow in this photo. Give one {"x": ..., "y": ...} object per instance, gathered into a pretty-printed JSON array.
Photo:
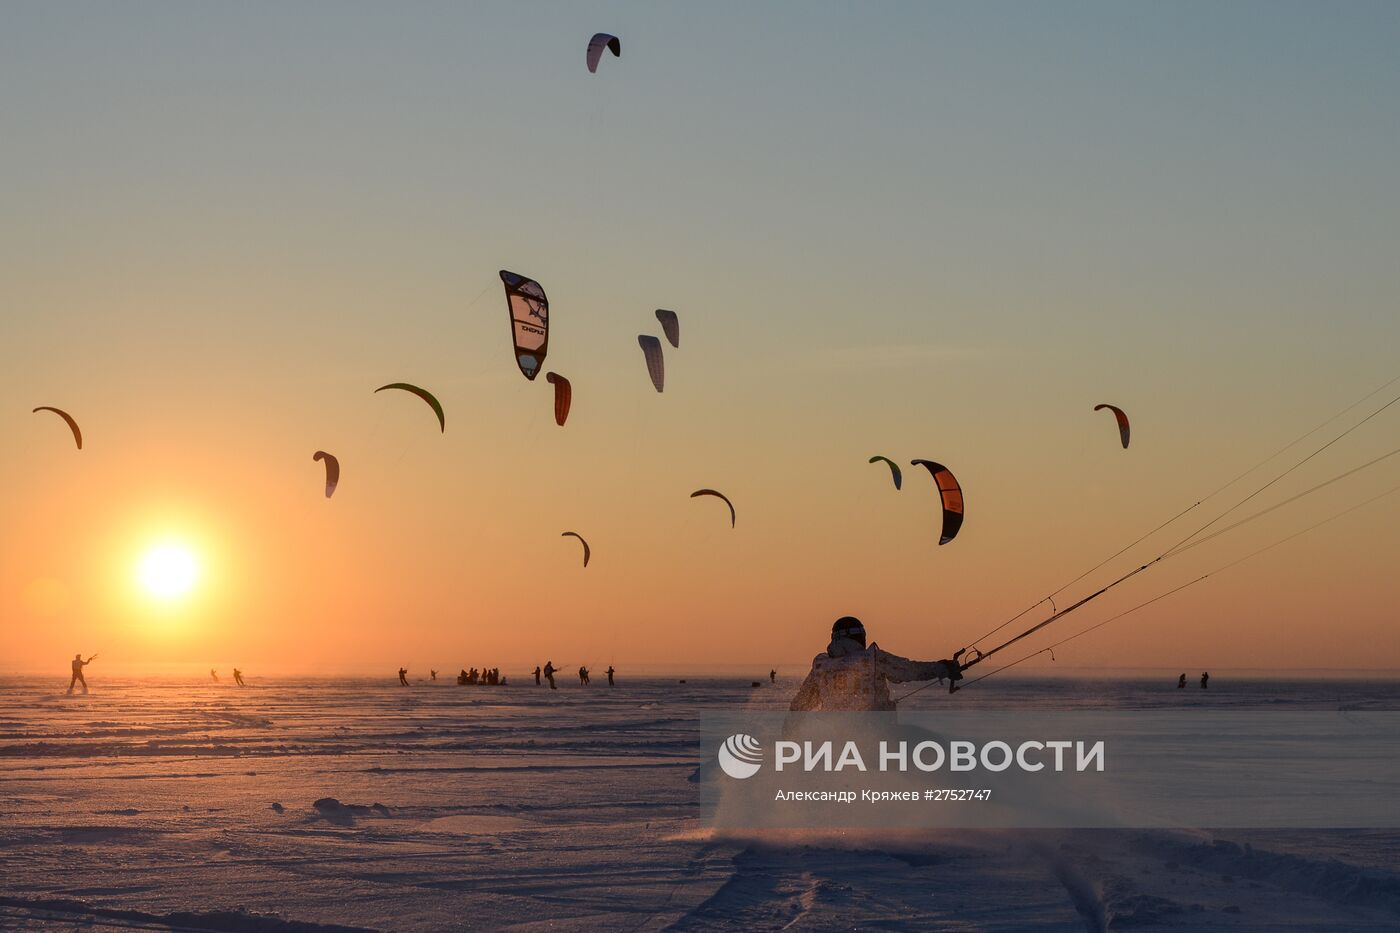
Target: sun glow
[{"x": 168, "y": 572}]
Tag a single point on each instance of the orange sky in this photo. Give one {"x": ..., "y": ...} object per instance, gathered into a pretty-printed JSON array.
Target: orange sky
[{"x": 214, "y": 280}]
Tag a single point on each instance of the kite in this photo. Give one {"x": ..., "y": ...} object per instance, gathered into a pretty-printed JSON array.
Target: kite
[
  {"x": 1123, "y": 429},
  {"x": 656, "y": 364},
  {"x": 332, "y": 470},
  {"x": 563, "y": 397},
  {"x": 952, "y": 496},
  {"x": 587, "y": 551},
  {"x": 670, "y": 325},
  {"x": 895, "y": 475},
  {"x": 72, "y": 425},
  {"x": 425, "y": 395},
  {"x": 719, "y": 495},
  {"x": 529, "y": 321},
  {"x": 596, "y": 45}
]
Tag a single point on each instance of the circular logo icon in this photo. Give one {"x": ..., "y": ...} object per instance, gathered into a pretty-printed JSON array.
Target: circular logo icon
[{"x": 740, "y": 756}]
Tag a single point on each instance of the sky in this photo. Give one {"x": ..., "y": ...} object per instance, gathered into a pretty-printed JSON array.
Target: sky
[{"x": 911, "y": 229}]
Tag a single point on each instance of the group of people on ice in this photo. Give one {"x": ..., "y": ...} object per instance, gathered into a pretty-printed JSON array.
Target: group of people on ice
[
  {"x": 549, "y": 670},
  {"x": 492, "y": 677},
  {"x": 484, "y": 677}
]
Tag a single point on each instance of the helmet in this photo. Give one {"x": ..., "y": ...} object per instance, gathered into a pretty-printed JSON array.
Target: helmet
[{"x": 848, "y": 627}]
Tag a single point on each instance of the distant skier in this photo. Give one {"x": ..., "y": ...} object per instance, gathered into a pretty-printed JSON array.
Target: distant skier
[
  {"x": 1181, "y": 682},
  {"x": 403, "y": 677},
  {"x": 1205, "y": 680},
  {"x": 610, "y": 676},
  {"x": 849, "y": 676},
  {"x": 78, "y": 678},
  {"x": 537, "y": 675},
  {"x": 238, "y": 677},
  {"x": 549, "y": 670}
]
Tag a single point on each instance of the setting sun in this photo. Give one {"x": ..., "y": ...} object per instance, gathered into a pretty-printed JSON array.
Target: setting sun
[{"x": 168, "y": 571}]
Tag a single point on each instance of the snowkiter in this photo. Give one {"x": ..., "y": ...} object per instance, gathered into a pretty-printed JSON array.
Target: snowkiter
[
  {"x": 78, "y": 678},
  {"x": 849, "y": 676}
]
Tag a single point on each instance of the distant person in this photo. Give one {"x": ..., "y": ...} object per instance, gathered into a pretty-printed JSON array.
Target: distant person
[
  {"x": 1181, "y": 682},
  {"x": 238, "y": 677},
  {"x": 849, "y": 676},
  {"x": 537, "y": 675},
  {"x": 1205, "y": 680},
  {"x": 462, "y": 678},
  {"x": 549, "y": 671},
  {"x": 773, "y": 677},
  {"x": 78, "y": 678},
  {"x": 432, "y": 674},
  {"x": 583, "y": 676},
  {"x": 610, "y": 676},
  {"x": 214, "y": 674},
  {"x": 403, "y": 677}
]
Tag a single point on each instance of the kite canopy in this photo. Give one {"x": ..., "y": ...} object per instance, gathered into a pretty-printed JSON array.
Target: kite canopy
[
  {"x": 670, "y": 325},
  {"x": 600, "y": 41},
  {"x": 425, "y": 395},
  {"x": 529, "y": 321},
  {"x": 895, "y": 475},
  {"x": 656, "y": 363},
  {"x": 952, "y": 496},
  {"x": 563, "y": 397},
  {"x": 1123, "y": 429},
  {"x": 72, "y": 425},
  {"x": 718, "y": 495},
  {"x": 332, "y": 470},
  {"x": 587, "y": 551}
]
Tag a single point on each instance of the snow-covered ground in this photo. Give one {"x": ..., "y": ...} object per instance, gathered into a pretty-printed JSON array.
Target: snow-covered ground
[{"x": 309, "y": 805}]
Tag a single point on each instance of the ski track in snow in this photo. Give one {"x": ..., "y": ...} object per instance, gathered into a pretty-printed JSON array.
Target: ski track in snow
[{"x": 312, "y": 806}]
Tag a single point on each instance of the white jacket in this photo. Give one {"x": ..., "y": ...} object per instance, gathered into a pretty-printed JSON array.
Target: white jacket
[{"x": 848, "y": 677}]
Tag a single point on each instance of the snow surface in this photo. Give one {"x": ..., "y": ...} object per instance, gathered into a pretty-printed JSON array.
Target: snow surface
[{"x": 310, "y": 805}]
